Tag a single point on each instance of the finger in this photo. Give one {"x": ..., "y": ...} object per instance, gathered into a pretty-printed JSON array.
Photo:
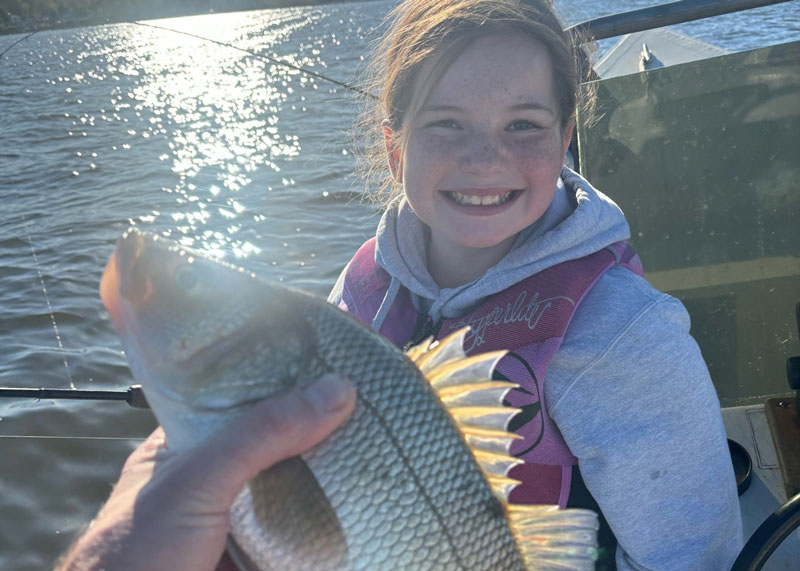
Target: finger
[{"x": 273, "y": 430}]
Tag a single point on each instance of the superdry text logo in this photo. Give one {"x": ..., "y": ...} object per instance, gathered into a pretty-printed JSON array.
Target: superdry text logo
[{"x": 522, "y": 310}]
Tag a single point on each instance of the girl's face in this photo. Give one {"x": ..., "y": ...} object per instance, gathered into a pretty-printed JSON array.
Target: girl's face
[{"x": 483, "y": 155}]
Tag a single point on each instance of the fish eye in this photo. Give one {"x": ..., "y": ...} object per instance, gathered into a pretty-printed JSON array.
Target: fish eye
[{"x": 186, "y": 277}]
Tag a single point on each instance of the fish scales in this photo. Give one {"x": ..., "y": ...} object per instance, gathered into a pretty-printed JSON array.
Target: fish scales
[
  {"x": 444, "y": 507},
  {"x": 396, "y": 487}
]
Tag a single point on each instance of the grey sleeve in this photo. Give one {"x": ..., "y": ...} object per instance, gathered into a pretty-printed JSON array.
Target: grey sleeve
[{"x": 632, "y": 396}]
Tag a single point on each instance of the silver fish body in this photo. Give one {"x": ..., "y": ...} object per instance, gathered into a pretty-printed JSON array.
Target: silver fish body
[{"x": 396, "y": 487}]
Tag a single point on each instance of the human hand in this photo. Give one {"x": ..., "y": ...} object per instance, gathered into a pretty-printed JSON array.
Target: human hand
[{"x": 170, "y": 511}]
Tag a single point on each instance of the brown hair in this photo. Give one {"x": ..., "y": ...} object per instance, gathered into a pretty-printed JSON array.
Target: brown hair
[{"x": 436, "y": 31}]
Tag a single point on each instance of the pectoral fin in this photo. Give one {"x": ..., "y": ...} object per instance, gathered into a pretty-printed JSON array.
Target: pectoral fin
[{"x": 547, "y": 538}]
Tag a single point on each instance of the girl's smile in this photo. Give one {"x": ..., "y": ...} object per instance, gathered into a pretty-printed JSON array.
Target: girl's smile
[
  {"x": 481, "y": 197},
  {"x": 483, "y": 154}
]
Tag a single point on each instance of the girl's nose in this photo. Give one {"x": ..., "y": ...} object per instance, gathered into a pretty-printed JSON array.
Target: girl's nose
[{"x": 483, "y": 153}]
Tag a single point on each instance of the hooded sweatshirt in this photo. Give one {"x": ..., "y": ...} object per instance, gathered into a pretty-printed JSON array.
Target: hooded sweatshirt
[{"x": 628, "y": 389}]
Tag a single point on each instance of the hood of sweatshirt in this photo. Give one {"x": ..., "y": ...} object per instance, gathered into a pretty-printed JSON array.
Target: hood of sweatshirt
[{"x": 580, "y": 220}]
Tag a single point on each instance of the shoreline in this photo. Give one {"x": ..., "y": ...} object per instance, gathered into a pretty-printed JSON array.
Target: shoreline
[{"x": 30, "y": 27}]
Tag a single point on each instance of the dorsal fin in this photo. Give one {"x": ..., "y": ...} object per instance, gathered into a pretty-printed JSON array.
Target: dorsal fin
[{"x": 547, "y": 538}]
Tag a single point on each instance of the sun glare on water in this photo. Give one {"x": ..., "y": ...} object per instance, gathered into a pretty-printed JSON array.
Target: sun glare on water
[{"x": 218, "y": 109}]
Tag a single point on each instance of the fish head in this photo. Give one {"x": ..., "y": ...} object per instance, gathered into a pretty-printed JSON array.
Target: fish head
[{"x": 202, "y": 333}]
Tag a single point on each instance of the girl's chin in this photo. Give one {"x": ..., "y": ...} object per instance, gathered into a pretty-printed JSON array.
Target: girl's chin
[{"x": 480, "y": 243}]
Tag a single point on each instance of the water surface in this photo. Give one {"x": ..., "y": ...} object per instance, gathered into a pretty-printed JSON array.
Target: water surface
[{"x": 106, "y": 127}]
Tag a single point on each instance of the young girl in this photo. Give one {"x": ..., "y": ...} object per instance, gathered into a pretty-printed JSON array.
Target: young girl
[{"x": 485, "y": 227}]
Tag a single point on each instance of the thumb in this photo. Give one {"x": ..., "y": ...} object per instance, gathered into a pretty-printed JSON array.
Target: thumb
[{"x": 277, "y": 428}]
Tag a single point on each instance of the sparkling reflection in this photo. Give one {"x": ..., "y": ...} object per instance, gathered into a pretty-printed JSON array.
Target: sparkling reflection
[{"x": 219, "y": 111}]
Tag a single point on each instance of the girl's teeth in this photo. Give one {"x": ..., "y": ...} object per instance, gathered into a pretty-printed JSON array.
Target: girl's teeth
[{"x": 474, "y": 200}]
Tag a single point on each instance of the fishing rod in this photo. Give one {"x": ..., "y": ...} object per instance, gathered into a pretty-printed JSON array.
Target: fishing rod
[
  {"x": 134, "y": 395},
  {"x": 270, "y": 59},
  {"x": 273, "y": 60},
  {"x": 662, "y": 15},
  {"x": 22, "y": 39},
  {"x": 595, "y": 29}
]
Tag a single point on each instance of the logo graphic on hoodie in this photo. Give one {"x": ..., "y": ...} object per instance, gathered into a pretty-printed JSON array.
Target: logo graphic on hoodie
[{"x": 522, "y": 310}]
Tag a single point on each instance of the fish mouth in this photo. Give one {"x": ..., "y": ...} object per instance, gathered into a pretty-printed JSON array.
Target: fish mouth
[
  {"x": 188, "y": 365},
  {"x": 116, "y": 282},
  {"x": 481, "y": 197},
  {"x": 109, "y": 292}
]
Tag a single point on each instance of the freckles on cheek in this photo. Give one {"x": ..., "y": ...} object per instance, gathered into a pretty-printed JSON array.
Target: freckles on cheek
[
  {"x": 425, "y": 161},
  {"x": 428, "y": 148},
  {"x": 537, "y": 152}
]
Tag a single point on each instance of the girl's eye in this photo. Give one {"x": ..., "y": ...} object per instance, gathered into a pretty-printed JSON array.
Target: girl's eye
[
  {"x": 522, "y": 126},
  {"x": 444, "y": 123}
]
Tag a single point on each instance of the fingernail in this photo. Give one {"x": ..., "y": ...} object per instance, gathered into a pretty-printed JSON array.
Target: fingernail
[{"x": 328, "y": 394}]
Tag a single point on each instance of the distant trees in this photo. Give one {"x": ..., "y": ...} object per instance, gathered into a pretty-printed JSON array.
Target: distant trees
[
  {"x": 48, "y": 10},
  {"x": 44, "y": 13}
]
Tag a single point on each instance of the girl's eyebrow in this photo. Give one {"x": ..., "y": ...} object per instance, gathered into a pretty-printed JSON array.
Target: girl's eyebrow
[
  {"x": 532, "y": 106},
  {"x": 435, "y": 108},
  {"x": 527, "y": 106}
]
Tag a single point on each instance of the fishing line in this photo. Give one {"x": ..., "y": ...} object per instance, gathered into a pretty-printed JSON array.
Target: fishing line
[
  {"x": 36, "y": 258},
  {"x": 270, "y": 59},
  {"x": 47, "y": 300},
  {"x": 265, "y": 57},
  {"x": 18, "y": 41}
]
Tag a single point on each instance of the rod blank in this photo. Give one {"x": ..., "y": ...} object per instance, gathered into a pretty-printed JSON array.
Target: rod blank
[{"x": 134, "y": 395}]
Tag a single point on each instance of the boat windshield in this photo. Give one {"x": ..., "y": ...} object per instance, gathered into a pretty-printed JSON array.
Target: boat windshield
[{"x": 704, "y": 159}]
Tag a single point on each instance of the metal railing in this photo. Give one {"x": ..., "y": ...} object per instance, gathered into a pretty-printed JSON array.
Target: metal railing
[{"x": 662, "y": 15}]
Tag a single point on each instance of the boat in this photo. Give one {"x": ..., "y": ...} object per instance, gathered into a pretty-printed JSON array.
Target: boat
[
  {"x": 693, "y": 141},
  {"x": 700, "y": 146}
]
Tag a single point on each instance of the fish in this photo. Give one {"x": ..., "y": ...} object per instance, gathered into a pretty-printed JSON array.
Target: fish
[{"x": 415, "y": 479}]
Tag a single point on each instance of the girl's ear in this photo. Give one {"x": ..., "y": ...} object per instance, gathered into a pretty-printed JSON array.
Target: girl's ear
[{"x": 393, "y": 152}]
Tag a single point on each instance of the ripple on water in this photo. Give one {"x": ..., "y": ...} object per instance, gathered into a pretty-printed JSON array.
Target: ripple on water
[
  {"x": 125, "y": 124},
  {"x": 109, "y": 126}
]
